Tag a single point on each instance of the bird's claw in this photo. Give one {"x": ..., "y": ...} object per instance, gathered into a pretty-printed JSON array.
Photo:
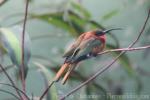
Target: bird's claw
[
  {"x": 70, "y": 60},
  {"x": 83, "y": 57}
]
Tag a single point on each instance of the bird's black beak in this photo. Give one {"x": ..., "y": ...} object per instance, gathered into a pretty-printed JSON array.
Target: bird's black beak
[
  {"x": 100, "y": 32},
  {"x": 107, "y": 31}
]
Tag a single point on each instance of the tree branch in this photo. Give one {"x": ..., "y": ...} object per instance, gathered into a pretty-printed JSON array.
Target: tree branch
[
  {"x": 15, "y": 88},
  {"x": 46, "y": 90},
  {"x": 124, "y": 49},
  {"x": 8, "y": 92},
  {"x": 23, "y": 39},
  {"x": 100, "y": 71}
]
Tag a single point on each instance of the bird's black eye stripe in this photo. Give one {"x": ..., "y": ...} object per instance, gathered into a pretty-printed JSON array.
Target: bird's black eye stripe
[{"x": 98, "y": 33}]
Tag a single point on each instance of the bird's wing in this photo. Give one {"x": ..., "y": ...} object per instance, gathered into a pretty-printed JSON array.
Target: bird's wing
[
  {"x": 88, "y": 47},
  {"x": 72, "y": 49}
]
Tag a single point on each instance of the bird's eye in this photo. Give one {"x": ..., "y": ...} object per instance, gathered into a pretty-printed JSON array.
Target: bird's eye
[{"x": 98, "y": 33}]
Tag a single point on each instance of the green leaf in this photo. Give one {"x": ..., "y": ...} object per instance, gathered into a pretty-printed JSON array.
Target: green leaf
[
  {"x": 55, "y": 19},
  {"x": 79, "y": 8},
  {"x": 52, "y": 94},
  {"x": 73, "y": 16},
  {"x": 124, "y": 60},
  {"x": 2, "y": 49},
  {"x": 74, "y": 23},
  {"x": 110, "y": 14},
  {"x": 11, "y": 39},
  {"x": 94, "y": 24}
]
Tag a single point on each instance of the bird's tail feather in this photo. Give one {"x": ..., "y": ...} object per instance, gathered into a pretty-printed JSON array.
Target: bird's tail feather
[
  {"x": 61, "y": 71},
  {"x": 71, "y": 68}
]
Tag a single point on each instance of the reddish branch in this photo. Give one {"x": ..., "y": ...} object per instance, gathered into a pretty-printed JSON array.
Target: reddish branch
[
  {"x": 23, "y": 39},
  {"x": 20, "y": 91},
  {"x": 100, "y": 71},
  {"x": 22, "y": 44},
  {"x": 47, "y": 89},
  {"x": 124, "y": 49}
]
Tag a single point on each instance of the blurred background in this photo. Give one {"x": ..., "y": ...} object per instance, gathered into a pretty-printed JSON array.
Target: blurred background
[{"x": 54, "y": 24}]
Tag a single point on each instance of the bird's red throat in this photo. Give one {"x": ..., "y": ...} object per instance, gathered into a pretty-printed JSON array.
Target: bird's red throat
[{"x": 102, "y": 38}]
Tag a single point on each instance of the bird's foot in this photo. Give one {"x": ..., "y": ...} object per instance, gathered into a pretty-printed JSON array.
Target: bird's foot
[{"x": 69, "y": 60}]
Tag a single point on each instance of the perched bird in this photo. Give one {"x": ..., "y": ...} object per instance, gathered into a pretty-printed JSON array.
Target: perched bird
[{"x": 88, "y": 44}]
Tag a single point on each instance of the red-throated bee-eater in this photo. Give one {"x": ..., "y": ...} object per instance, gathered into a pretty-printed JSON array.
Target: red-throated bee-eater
[{"x": 88, "y": 44}]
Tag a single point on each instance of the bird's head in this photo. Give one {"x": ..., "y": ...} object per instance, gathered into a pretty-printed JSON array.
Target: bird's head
[{"x": 103, "y": 32}]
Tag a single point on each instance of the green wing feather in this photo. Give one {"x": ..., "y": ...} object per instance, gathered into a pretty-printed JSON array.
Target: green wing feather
[
  {"x": 87, "y": 46},
  {"x": 71, "y": 50}
]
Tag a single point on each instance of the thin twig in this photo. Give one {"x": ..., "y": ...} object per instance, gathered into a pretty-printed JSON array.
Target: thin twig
[
  {"x": 7, "y": 68},
  {"x": 124, "y": 49},
  {"x": 23, "y": 38},
  {"x": 47, "y": 89},
  {"x": 8, "y": 92},
  {"x": 11, "y": 81},
  {"x": 100, "y": 71},
  {"x": 15, "y": 88}
]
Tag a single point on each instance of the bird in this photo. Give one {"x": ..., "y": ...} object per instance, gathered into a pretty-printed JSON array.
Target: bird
[{"x": 87, "y": 45}]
